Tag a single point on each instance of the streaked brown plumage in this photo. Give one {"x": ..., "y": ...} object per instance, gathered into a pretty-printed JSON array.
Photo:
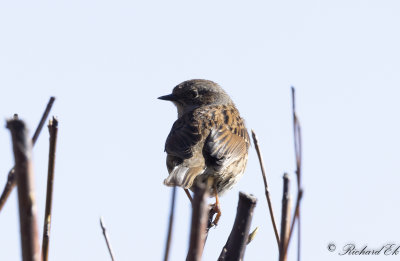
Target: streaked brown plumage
[{"x": 209, "y": 139}]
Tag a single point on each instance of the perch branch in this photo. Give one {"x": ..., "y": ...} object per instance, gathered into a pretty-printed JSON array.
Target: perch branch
[{"x": 199, "y": 220}]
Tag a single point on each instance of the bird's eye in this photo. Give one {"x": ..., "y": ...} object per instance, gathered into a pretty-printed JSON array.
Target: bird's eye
[{"x": 194, "y": 93}]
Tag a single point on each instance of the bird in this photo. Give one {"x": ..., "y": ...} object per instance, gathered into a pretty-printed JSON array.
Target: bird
[{"x": 208, "y": 140}]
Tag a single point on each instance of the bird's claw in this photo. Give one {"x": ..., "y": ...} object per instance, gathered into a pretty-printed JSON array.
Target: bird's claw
[{"x": 216, "y": 209}]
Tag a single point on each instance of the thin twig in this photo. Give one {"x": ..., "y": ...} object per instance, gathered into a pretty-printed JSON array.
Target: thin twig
[
  {"x": 170, "y": 226},
  {"x": 43, "y": 120},
  {"x": 26, "y": 193},
  {"x": 237, "y": 241},
  {"x": 188, "y": 195},
  {"x": 267, "y": 194},
  {"x": 298, "y": 237},
  {"x": 285, "y": 219},
  {"x": 53, "y": 129},
  {"x": 298, "y": 156},
  {"x": 199, "y": 222},
  {"x": 103, "y": 228},
  {"x": 11, "y": 182},
  {"x": 296, "y": 212}
]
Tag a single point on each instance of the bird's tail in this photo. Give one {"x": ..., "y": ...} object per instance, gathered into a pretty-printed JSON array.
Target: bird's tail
[{"x": 183, "y": 176}]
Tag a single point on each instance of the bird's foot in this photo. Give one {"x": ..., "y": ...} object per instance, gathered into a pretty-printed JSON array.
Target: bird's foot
[{"x": 216, "y": 208}]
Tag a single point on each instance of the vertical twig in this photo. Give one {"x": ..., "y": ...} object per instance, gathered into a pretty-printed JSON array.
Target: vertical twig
[
  {"x": 26, "y": 193},
  {"x": 237, "y": 241},
  {"x": 296, "y": 212},
  {"x": 105, "y": 234},
  {"x": 170, "y": 226},
  {"x": 267, "y": 194},
  {"x": 298, "y": 237},
  {"x": 285, "y": 219},
  {"x": 298, "y": 156},
  {"x": 199, "y": 222},
  {"x": 11, "y": 182},
  {"x": 53, "y": 129}
]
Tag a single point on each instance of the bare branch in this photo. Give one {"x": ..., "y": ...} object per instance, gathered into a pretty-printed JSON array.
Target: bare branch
[
  {"x": 298, "y": 156},
  {"x": 170, "y": 226},
  {"x": 267, "y": 194},
  {"x": 26, "y": 192},
  {"x": 199, "y": 220},
  {"x": 105, "y": 234},
  {"x": 53, "y": 129},
  {"x": 236, "y": 245},
  {"x": 43, "y": 120},
  {"x": 285, "y": 219},
  {"x": 296, "y": 212},
  {"x": 11, "y": 182}
]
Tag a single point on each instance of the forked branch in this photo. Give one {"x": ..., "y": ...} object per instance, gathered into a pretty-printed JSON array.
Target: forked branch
[{"x": 11, "y": 180}]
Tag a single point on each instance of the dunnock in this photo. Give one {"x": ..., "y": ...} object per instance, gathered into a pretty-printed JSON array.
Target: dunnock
[{"x": 209, "y": 139}]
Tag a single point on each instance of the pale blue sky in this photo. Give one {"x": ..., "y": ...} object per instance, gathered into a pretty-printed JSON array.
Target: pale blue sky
[{"x": 108, "y": 61}]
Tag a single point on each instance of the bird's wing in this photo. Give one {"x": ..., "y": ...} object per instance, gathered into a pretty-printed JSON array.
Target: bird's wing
[
  {"x": 228, "y": 140},
  {"x": 183, "y": 136},
  {"x": 183, "y": 161}
]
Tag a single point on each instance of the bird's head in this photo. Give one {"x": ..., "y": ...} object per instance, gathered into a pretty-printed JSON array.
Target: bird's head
[{"x": 192, "y": 94}]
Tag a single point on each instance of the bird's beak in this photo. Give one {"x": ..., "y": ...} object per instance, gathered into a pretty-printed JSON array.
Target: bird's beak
[{"x": 169, "y": 97}]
